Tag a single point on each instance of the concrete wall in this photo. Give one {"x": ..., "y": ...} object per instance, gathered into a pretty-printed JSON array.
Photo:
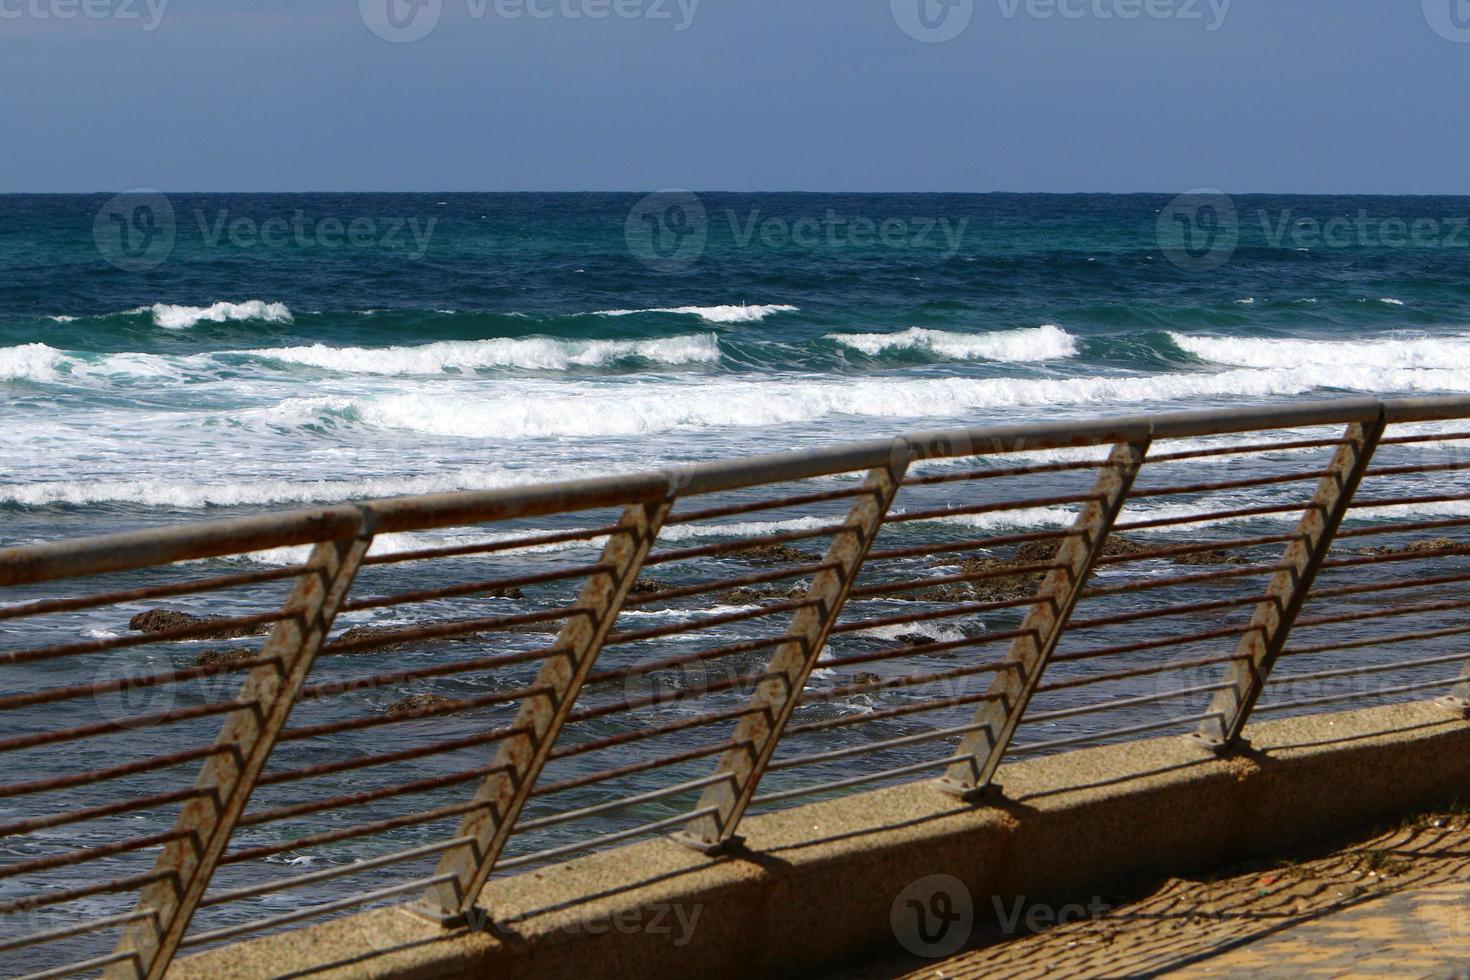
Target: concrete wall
[{"x": 814, "y": 887}]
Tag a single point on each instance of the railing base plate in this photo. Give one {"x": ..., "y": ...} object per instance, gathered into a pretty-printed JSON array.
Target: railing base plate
[
  {"x": 695, "y": 842},
  {"x": 1457, "y": 706},
  {"x": 1216, "y": 746},
  {"x": 969, "y": 794},
  {"x": 441, "y": 918}
]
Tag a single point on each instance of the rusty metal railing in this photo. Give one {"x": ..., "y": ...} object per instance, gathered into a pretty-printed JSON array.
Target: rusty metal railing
[{"x": 217, "y": 730}]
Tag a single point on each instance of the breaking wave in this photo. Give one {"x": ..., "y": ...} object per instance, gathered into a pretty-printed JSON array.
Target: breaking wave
[
  {"x": 712, "y": 314},
  {"x": 1044, "y": 343}
]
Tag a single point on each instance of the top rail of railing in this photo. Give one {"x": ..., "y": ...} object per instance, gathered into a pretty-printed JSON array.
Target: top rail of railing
[{"x": 520, "y": 675}]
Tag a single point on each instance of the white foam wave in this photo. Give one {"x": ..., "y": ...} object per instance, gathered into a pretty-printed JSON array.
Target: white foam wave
[
  {"x": 1043, "y": 343},
  {"x": 585, "y": 409},
  {"x": 193, "y": 494},
  {"x": 1394, "y": 352},
  {"x": 1049, "y": 517},
  {"x": 936, "y": 632},
  {"x": 1390, "y": 301},
  {"x": 171, "y": 317},
  {"x": 30, "y": 362},
  {"x": 747, "y": 529},
  {"x": 406, "y": 541},
  {"x": 713, "y": 314},
  {"x": 532, "y": 353},
  {"x": 42, "y": 363}
]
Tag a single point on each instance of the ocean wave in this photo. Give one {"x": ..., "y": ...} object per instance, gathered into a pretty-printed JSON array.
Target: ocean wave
[
  {"x": 30, "y": 362},
  {"x": 532, "y": 353},
  {"x": 171, "y": 317},
  {"x": 713, "y": 314},
  {"x": 42, "y": 363},
  {"x": 1396, "y": 352},
  {"x": 399, "y": 542},
  {"x": 572, "y": 409},
  {"x": 1043, "y": 343},
  {"x": 45, "y": 364},
  {"x": 1191, "y": 515},
  {"x": 198, "y": 494}
]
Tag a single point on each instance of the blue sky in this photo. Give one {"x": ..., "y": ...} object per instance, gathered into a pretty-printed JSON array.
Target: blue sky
[{"x": 1032, "y": 95}]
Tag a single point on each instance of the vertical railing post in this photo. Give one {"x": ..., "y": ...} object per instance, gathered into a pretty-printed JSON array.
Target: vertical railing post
[
  {"x": 246, "y": 740},
  {"x": 520, "y": 758},
  {"x": 781, "y": 684},
  {"x": 1271, "y": 623},
  {"x": 1015, "y": 682}
]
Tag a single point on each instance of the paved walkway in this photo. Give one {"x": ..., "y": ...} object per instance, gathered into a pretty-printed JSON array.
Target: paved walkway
[{"x": 1394, "y": 906}]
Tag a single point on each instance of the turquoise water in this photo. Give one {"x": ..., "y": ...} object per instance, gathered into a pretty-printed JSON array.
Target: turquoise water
[{"x": 217, "y": 355}]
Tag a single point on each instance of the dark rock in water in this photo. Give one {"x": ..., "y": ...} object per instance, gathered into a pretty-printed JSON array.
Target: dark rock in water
[
  {"x": 357, "y": 633},
  {"x": 416, "y": 704},
  {"x": 391, "y": 641},
  {"x": 217, "y": 658},
  {"x": 161, "y": 620},
  {"x": 1416, "y": 547},
  {"x": 780, "y": 554},
  {"x": 648, "y": 586},
  {"x": 509, "y": 592},
  {"x": 751, "y": 595},
  {"x": 544, "y": 626},
  {"x": 914, "y": 639},
  {"x": 1036, "y": 552},
  {"x": 1214, "y": 556},
  {"x": 1001, "y": 588},
  {"x": 865, "y": 677},
  {"x": 985, "y": 590}
]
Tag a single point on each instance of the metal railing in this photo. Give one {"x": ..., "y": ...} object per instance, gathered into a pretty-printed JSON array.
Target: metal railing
[{"x": 216, "y": 730}]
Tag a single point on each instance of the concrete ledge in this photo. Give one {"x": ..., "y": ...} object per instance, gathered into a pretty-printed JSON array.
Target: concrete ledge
[{"x": 814, "y": 887}]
